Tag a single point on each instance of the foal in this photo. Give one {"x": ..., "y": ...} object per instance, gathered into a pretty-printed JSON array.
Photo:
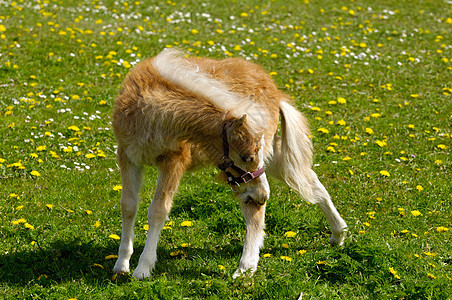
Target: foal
[{"x": 179, "y": 113}]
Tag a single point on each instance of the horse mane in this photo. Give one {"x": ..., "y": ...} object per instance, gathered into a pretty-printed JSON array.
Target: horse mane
[{"x": 173, "y": 65}]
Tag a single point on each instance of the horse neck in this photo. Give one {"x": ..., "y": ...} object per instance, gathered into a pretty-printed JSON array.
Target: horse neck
[{"x": 204, "y": 129}]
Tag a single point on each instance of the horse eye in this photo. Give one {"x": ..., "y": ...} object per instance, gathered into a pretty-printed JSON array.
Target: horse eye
[{"x": 247, "y": 158}]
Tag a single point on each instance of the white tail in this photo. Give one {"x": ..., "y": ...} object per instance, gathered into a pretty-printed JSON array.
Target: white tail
[{"x": 292, "y": 153}]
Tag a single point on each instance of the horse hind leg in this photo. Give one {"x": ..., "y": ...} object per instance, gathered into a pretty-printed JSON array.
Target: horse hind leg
[
  {"x": 322, "y": 198},
  {"x": 131, "y": 176},
  {"x": 171, "y": 168}
]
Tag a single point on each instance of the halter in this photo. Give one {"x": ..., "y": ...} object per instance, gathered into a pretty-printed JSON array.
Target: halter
[{"x": 227, "y": 162}]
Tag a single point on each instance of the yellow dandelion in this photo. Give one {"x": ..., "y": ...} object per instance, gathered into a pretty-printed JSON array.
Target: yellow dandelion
[
  {"x": 267, "y": 255},
  {"x": 369, "y": 131},
  {"x": 35, "y": 173},
  {"x": 73, "y": 128},
  {"x": 290, "y": 234},
  {"x": 419, "y": 188},
  {"x": 117, "y": 188},
  {"x": 98, "y": 266},
  {"x": 186, "y": 224},
  {"x": 381, "y": 143},
  {"x": 385, "y": 173},
  {"x": 221, "y": 267},
  {"x": 301, "y": 252},
  {"x": 286, "y": 258},
  {"x": 175, "y": 253},
  {"x": 28, "y": 226},
  {"x": 441, "y": 229},
  {"x": 111, "y": 256},
  {"x": 416, "y": 213},
  {"x": 341, "y": 122},
  {"x": 49, "y": 206},
  {"x": 114, "y": 236},
  {"x": 341, "y": 100}
]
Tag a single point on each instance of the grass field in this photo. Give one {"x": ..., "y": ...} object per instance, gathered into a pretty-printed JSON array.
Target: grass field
[{"x": 372, "y": 77}]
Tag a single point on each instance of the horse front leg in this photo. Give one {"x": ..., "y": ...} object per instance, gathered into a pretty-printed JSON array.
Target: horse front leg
[
  {"x": 171, "y": 169},
  {"x": 254, "y": 238}
]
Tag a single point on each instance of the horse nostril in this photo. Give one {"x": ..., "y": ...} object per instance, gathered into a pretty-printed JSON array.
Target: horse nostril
[{"x": 249, "y": 199}]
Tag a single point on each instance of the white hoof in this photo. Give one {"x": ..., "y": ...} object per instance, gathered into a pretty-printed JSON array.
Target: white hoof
[
  {"x": 142, "y": 272},
  {"x": 121, "y": 267},
  {"x": 338, "y": 238},
  {"x": 247, "y": 272}
]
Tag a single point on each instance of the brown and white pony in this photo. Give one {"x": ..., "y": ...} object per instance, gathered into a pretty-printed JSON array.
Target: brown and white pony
[{"x": 178, "y": 113}]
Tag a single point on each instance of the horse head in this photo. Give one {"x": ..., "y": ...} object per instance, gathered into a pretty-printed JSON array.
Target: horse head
[{"x": 244, "y": 161}]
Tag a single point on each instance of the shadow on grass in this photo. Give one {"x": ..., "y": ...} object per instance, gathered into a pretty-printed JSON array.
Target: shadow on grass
[
  {"x": 69, "y": 260},
  {"x": 59, "y": 261}
]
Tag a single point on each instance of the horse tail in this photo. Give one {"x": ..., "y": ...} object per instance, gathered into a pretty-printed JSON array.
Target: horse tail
[{"x": 292, "y": 153}]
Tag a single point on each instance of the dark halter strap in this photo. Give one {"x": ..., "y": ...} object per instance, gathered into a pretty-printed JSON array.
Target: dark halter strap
[{"x": 228, "y": 163}]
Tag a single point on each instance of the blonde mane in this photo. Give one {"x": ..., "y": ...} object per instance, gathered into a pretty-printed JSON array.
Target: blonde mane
[{"x": 174, "y": 67}]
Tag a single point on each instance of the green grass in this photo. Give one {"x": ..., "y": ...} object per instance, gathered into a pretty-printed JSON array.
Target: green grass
[{"x": 61, "y": 65}]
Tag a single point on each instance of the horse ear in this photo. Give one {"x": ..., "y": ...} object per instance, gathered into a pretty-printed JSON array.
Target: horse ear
[
  {"x": 237, "y": 125},
  {"x": 241, "y": 121}
]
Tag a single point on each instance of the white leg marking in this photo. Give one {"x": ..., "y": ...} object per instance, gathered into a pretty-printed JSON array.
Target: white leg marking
[
  {"x": 131, "y": 181},
  {"x": 167, "y": 183},
  {"x": 156, "y": 219},
  {"x": 254, "y": 238}
]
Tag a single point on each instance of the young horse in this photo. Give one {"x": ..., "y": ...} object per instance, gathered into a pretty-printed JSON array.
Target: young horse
[{"x": 179, "y": 113}]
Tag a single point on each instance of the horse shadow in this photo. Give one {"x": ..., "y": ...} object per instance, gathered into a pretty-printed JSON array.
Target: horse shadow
[{"x": 71, "y": 260}]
